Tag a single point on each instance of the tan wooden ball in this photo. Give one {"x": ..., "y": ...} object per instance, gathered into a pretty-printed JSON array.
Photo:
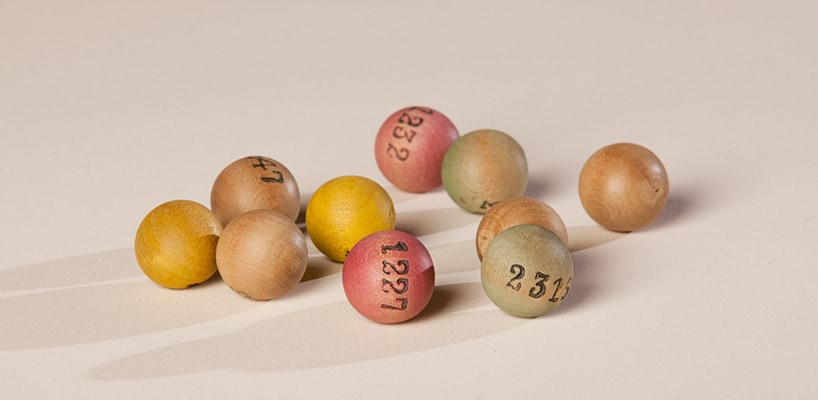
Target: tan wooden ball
[
  {"x": 253, "y": 183},
  {"x": 262, "y": 254},
  {"x": 623, "y": 187},
  {"x": 517, "y": 211}
]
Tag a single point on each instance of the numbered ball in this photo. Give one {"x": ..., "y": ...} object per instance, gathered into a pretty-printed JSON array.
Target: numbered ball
[
  {"x": 344, "y": 210},
  {"x": 527, "y": 271},
  {"x": 483, "y": 168},
  {"x": 410, "y": 147},
  {"x": 262, "y": 254},
  {"x": 176, "y": 244},
  {"x": 623, "y": 187},
  {"x": 389, "y": 277},
  {"x": 253, "y": 183},
  {"x": 517, "y": 211}
]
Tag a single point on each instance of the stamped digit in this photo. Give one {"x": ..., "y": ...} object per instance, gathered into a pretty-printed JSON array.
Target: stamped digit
[
  {"x": 567, "y": 288},
  {"x": 401, "y": 263},
  {"x": 394, "y": 152},
  {"x": 400, "y": 133},
  {"x": 487, "y": 204},
  {"x": 422, "y": 109},
  {"x": 403, "y": 282},
  {"x": 520, "y": 273},
  {"x": 280, "y": 178},
  {"x": 558, "y": 284},
  {"x": 263, "y": 163},
  {"x": 539, "y": 289},
  {"x": 399, "y": 246},
  {"x": 403, "y": 303},
  {"x": 407, "y": 119}
]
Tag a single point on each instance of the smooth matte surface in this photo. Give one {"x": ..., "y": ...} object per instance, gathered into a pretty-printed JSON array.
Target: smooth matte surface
[
  {"x": 527, "y": 271},
  {"x": 262, "y": 254},
  {"x": 482, "y": 168},
  {"x": 623, "y": 187},
  {"x": 517, "y": 211},
  {"x": 344, "y": 210},
  {"x": 253, "y": 183},
  {"x": 108, "y": 109},
  {"x": 175, "y": 244},
  {"x": 389, "y": 277},
  {"x": 410, "y": 146}
]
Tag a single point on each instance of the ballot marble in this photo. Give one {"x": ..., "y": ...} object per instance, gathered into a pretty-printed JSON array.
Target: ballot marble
[
  {"x": 410, "y": 146},
  {"x": 517, "y": 211},
  {"x": 175, "y": 244},
  {"x": 344, "y": 210},
  {"x": 527, "y": 271},
  {"x": 482, "y": 168},
  {"x": 623, "y": 187},
  {"x": 389, "y": 277},
  {"x": 253, "y": 183},
  {"x": 262, "y": 254}
]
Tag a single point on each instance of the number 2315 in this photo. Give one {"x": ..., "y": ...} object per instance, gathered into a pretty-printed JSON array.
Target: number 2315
[{"x": 538, "y": 290}]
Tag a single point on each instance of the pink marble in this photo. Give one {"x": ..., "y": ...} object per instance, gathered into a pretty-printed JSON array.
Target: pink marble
[
  {"x": 410, "y": 147},
  {"x": 389, "y": 277}
]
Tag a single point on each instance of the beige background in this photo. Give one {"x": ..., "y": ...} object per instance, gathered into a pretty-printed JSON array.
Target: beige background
[{"x": 109, "y": 108}]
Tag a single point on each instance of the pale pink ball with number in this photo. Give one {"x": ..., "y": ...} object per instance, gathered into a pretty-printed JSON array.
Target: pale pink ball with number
[
  {"x": 389, "y": 277},
  {"x": 410, "y": 147}
]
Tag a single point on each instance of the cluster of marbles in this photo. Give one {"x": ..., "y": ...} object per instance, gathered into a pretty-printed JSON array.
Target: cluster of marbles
[{"x": 250, "y": 237}]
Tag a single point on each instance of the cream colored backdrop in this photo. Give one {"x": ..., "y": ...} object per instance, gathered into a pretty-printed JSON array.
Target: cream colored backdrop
[{"x": 108, "y": 108}]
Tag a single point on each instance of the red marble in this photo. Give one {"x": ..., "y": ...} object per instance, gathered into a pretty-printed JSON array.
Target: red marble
[
  {"x": 410, "y": 147},
  {"x": 389, "y": 277}
]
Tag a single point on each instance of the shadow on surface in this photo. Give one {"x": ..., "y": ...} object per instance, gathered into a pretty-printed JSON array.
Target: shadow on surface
[
  {"x": 584, "y": 285},
  {"x": 680, "y": 205},
  {"x": 104, "y": 312},
  {"x": 455, "y": 257},
  {"x": 588, "y": 236},
  {"x": 427, "y": 222},
  {"x": 548, "y": 181},
  {"x": 89, "y": 268},
  {"x": 337, "y": 335},
  {"x": 319, "y": 266},
  {"x": 537, "y": 185},
  {"x": 88, "y": 314}
]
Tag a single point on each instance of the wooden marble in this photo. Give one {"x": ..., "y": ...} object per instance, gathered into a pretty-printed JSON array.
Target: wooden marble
[
  {"x": 517, "y": 211},
  {"x": 623, "y": 187},
  {"x": 410, "y": 146},
  {"x": 253, "y": 183},
  {"x": 344, "y": 210},
  {"x": 527, "y": 271},
  {"x": 262, "y": 254},
  {"x": 389, "y": 277},
  {"x": 483, "y": 168},
  {"x": 175, "y": 244}
]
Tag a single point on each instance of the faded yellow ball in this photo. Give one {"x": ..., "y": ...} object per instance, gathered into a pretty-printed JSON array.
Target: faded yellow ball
[
  {"x": 346, "y": 209},
  {"x": 176, "y": 244}
]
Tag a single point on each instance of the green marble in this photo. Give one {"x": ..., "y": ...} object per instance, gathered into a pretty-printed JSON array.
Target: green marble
[
  {"x": 527, "y": 271},
  {"x": 483, "y": 168}
]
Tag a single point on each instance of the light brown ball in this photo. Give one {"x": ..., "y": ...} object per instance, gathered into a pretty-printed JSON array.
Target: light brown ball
[
  {"x": 517, "y": 211},
  {"x": 253, "y": 183},
  {"x": 262, "y": 254},
  {"x": 623, "y": 187}
]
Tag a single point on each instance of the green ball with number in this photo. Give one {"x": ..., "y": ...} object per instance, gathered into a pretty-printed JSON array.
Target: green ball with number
[
  {"x": 527, "y": 271},
  {"x": 482, "y": 168}
]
